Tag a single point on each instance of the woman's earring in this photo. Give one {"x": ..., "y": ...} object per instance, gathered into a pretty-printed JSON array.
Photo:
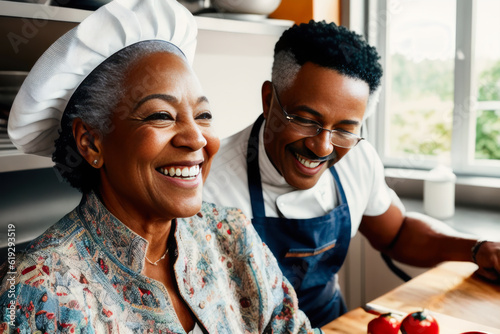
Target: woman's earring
[{"x": 95, "y": 162}]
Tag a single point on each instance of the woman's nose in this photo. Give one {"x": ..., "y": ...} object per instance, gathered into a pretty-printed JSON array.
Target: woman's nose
[
  {"x": 321, "y": 144},
  {"x": 189, "y": 134}
]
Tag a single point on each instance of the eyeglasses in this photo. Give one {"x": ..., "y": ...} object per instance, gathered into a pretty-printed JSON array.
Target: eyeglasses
[{"x": 309, "y": 128}]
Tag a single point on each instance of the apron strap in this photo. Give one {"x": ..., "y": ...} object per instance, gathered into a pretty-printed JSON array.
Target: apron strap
[
  {"x": 340, "y": 189},
  {"x": 323, "y": 302},
  {"x": 253, "y": 170}
]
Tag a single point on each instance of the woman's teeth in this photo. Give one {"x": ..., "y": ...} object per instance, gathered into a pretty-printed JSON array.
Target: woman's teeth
[
  {"x": 306, "y": 162},
  {"x": 185, "y": 173}
]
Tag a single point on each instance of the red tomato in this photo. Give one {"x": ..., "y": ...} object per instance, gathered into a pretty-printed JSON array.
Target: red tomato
[
  {"x": 384, "y": 324},
  {"x": 420, "y": 322}
]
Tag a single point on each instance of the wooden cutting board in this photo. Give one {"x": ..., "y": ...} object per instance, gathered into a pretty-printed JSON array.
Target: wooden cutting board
[
  {"x": 461, "y": 302},
  {"x": 356, "y": 322}
]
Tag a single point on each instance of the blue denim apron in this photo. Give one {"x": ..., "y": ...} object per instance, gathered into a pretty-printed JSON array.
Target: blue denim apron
[{"x": 309, "y": 251}]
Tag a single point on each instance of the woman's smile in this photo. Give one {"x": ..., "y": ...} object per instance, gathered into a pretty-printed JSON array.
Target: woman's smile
[
  {"x": 183, "y": 175},
  {"x": 181, "y": 172}
]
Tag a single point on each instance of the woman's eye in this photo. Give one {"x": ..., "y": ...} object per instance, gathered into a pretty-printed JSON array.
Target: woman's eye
[
  {"x": 204, "y": 118},
  {"x": 159, "y": 116},
  {"x": 205, "y": 115}
]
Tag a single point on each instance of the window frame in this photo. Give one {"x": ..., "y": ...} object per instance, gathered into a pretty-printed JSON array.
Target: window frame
[{"x": 464, "y": 111}]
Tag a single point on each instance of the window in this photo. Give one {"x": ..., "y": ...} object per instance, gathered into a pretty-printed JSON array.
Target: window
[
  {"x": 441, "y": 98},
  {"x": 487, "y": 77}
]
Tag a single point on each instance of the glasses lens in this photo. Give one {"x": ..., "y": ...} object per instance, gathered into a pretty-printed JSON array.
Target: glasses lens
[
  {"x": 306, "y": 129},
  {"x": 309, "y": 128},
  {"x": 344, "y": 140}
]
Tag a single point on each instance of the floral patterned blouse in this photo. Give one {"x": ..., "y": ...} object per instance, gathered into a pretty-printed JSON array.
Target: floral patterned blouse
[{"x": 83, "y": 275}]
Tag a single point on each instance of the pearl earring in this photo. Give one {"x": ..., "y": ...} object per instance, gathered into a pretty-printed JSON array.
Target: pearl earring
[{"x": 95, "y": 162}]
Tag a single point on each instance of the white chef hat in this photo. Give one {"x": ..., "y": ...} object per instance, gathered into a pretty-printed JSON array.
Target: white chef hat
[{"x": 37, "y": 110}]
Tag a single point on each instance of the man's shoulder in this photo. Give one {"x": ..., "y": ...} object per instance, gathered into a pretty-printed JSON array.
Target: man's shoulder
[
  {"x": 365, "y": 150},
  {"x": 362, "y": 157},
  {"x": 360, "y": 169}
]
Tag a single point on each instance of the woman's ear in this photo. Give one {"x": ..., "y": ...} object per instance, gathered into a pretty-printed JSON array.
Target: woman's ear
[
  {"x": 267, "y": 96},
  {"x": 88, "y": 142}
]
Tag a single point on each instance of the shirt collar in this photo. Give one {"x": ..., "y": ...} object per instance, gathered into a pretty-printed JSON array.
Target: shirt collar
[{"x": 119, "y": 242}]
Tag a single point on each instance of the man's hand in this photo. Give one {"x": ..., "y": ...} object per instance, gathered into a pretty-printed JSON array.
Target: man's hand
[{"x": 488, "y": 260}]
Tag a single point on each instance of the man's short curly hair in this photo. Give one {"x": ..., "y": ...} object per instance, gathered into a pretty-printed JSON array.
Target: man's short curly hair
[
  {"x": 94, "y": 102},
  {"x": 327, "y": 45}
]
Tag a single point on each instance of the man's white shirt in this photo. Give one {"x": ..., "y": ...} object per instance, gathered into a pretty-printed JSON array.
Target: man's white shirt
[{"x": 361, "y": 174}]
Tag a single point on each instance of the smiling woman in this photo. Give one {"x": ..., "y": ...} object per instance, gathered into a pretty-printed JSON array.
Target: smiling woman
[
  {"x": 141, "y": 252},
  {"x": 164, "y": 125}
]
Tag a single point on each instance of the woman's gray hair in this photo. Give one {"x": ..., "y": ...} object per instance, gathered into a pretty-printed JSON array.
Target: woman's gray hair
[
  {"x": 106, "y": 89},
  {"x": 94, "y": 102}
]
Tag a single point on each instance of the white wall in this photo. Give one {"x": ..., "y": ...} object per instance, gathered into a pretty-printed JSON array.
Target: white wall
[{"x": 232, "y": 68}]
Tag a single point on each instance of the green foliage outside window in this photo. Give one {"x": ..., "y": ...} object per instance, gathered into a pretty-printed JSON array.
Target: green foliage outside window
[
  {"x": 488, "y": 135},
  {"x": 422, "y": 107},
  {"x": 489, "y": 84},
  {"x": 488, "y": 121}
]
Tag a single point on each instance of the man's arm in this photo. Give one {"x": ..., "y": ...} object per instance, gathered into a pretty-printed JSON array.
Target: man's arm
[{"x": 422, "y": 241}]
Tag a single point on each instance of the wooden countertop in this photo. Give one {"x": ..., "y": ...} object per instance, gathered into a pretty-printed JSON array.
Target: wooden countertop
[{"x": 459, "y": 300}]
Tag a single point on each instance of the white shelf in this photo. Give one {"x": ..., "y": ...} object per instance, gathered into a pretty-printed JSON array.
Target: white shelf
[
  {"x": 63, "y": 14},
  {"x": 14, "y": 160},
  {"x": 42, "y": 12},
  {"x": 266, "y": 27}
]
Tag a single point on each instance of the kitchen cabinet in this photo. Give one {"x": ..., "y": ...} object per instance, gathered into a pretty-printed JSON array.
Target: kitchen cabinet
[{"x": 232, "y": 60}]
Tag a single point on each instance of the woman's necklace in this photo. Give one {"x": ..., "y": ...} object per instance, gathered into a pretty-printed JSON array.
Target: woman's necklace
[{"x": 156, "y": 262}]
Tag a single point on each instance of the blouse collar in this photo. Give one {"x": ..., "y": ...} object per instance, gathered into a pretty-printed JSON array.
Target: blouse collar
[{"x": 118, "y": 241}]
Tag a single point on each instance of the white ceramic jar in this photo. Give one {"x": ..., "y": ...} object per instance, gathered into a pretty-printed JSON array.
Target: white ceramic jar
[
  {"x": 439, "y": 193},
  {"x": 261, "y": 7}
]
